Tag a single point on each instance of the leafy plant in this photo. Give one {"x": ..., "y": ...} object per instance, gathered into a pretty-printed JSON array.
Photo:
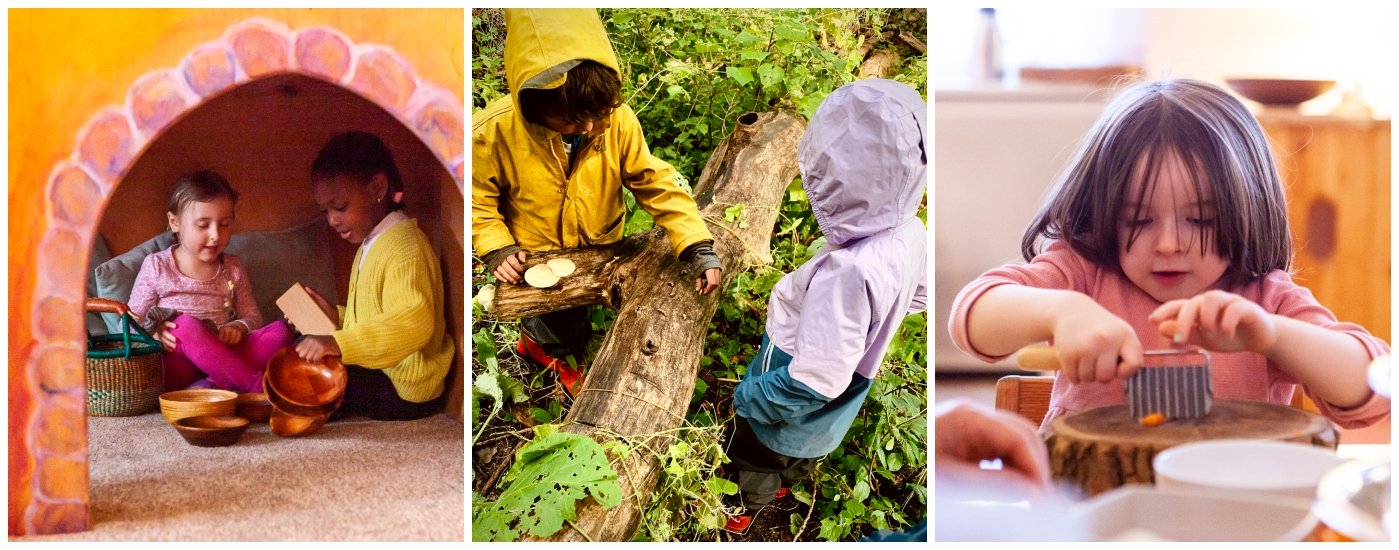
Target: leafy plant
[
  {"x": 689, "y": 74},
  {"x": 549, "y": 476}
]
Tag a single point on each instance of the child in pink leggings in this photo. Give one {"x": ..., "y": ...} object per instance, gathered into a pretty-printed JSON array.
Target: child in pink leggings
[{"x": 216, "y": 338}]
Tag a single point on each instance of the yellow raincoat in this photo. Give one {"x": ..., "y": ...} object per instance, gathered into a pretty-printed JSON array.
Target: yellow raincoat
[{"x": 521, "y": 191}]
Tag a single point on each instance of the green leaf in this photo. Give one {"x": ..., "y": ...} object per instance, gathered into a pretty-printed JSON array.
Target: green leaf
[
  {"x": 770, "y": 75},
  {"x": 675, "y": 90},
  {"x": 742, "y": 75},
  {"x": 733, "y": 213},
  {"x": 719, "y": 485},
  {"x": 753, "y": 55},
  {"x": 794, "y": 32},
  {"x": 549, "y": 477},
  {"x": 862, "y": 490},
  {"x": 747, "y": 38},
  {"x": 700, "y": 387}
]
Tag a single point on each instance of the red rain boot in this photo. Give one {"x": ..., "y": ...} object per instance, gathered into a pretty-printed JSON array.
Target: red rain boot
[{"x": 570, "y": 378}]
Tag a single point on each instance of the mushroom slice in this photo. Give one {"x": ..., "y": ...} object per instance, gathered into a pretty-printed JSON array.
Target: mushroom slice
[
  {"x": 562, "y": 267},
  {"x": 486, "y": 296},
  {"x": 540, "y": 276}
]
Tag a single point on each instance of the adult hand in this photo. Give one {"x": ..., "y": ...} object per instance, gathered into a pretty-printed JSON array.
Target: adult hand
[
  {"x": 1094, "y": 345},
  {"x": 315, "y": 348},
  {"x": 968, "y": 433},
  {"x": 1217, "y": 321}
]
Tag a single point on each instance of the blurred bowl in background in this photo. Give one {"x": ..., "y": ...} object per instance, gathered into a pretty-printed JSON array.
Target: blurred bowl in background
[{"x": 1280, "y": 91}]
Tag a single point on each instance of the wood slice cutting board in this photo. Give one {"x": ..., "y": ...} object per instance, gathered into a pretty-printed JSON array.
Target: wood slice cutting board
[{"x": 1101, "y": 449}]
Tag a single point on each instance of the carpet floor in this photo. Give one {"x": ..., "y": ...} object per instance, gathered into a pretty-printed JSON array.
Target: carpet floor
[{"x": 354, "y": 480}]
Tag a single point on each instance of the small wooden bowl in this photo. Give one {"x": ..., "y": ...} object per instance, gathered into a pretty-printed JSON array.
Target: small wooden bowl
[
  {"x": 211, "y": 431},
  {"x": 302, "y": 382},
  {"x": 196, "y": 402},
  {"x": 254, "y": 406}
]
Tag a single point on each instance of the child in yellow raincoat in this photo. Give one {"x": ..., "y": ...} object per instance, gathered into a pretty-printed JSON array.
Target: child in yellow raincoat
[{"x": 549, "y": 163}]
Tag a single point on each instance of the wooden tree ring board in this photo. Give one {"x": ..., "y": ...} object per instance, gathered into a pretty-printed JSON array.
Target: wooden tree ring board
[{"x": 1101, "y": 449}]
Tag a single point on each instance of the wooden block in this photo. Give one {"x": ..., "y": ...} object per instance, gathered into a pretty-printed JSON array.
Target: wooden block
[{"x": 303, "y": 311}]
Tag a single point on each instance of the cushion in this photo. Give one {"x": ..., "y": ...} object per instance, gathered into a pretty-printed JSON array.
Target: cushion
[
  {"x": 116, "y": 276},
  {"x": 274, "y": 260},
  {"x": 100, "y": 253}
]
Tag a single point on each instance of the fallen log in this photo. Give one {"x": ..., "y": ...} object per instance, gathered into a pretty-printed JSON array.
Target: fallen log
[{"x": 641, "y": 380}]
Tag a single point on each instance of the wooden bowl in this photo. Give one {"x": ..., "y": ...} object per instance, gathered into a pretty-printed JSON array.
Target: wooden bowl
[
  {"x": 197, "y": 402},
  {"x": 304, "y": 383},
  {"x": 281, "y": 404},
  {"x": 1279, "y": 91},
  {"x": 254, "y": 406},
  {"x": 211, "y": 431},
  {"x": 293, "y": 425}
]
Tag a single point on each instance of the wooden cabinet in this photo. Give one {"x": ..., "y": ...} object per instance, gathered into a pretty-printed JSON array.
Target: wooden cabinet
[{"x": 1336, "y": 173}]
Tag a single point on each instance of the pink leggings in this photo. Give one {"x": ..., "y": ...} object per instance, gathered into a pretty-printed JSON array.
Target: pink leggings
[{"x": 199, "y": 354}]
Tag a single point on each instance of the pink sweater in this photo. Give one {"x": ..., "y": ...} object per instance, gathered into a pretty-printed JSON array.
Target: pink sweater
[
  {"x": 1241, "y": 375},
  {"x": 160, "y": 283}
]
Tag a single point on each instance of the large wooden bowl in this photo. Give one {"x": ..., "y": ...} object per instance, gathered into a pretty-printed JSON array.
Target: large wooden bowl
[
  {"x": 211, "y": 431},
  {"x": 281, "y": 404},
  {"x": 293, "y": 425},
  {"x": 197, "y": 402},
  {"x": 302, "y": 382}
]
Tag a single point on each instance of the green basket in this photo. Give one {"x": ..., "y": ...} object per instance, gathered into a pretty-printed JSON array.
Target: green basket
[{"x": 124, "y": 372}]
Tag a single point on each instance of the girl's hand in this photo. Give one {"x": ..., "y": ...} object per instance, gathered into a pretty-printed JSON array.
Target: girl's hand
[
  {"x": 1217, "y": 321},
  {"x": 330, "y": 311},
  {"x": 232, "y": 333},
  {"x": 166, "y": 337},
  {"x": 314, "y": 348},
  {"x": 1094, "y": 345}
]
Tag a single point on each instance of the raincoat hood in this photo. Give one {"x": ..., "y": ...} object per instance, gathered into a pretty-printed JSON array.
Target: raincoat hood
[
  {"x": 862, "y": 159},
  {"x": 541, "y": 45}
]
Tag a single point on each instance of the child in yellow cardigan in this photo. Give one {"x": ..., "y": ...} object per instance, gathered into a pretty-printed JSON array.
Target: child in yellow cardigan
[{"x": 392, "y": 336}]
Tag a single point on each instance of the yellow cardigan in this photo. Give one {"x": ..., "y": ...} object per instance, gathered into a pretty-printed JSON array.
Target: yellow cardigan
[{"x": 393, "y": 320}]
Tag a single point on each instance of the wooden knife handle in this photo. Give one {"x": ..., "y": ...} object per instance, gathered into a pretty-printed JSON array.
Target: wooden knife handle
[{"x": 1040, "y": 358}]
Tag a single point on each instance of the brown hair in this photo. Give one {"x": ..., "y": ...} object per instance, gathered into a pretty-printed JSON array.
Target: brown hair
[
  {"x": 1212, "y": 132},
  {"x": 201, "y": 186},
  {"x": 591, "y": 91}
]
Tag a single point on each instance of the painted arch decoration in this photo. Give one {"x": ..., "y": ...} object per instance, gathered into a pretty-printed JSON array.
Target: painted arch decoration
[{"x": 106, "y": 147}]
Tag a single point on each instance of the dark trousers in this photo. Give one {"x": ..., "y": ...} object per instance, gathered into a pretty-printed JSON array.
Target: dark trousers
[
  {"x": 370, "y": 393},
  {"x": 759, "y": 471},
  {"x": 561, "y": 333}
]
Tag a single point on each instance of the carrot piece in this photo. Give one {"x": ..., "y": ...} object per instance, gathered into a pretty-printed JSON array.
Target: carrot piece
[{"x": 1153, "y": 419}]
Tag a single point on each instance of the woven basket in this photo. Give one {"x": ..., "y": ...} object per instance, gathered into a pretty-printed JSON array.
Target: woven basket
[{"x": 124, "y": 373}]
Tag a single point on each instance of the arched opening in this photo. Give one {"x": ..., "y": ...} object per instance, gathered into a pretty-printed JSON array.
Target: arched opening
[{"x": 255, "y": 105}]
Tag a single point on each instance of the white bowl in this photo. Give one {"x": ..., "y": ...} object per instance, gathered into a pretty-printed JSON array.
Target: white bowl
[
  {"x": 1141, "y": 513},
  {"x": 1234, "y": 466}
]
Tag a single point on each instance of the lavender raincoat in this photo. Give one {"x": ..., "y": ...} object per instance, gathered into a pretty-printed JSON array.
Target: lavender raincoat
[{"x": 830, "y": 322}]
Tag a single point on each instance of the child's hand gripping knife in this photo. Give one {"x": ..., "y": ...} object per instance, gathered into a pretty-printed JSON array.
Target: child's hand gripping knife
[
  {"x": 1092, "y": 344},
  {"x": 314, "y": 348}
]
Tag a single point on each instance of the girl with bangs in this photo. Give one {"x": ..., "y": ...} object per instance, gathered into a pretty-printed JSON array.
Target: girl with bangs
[{"x": 1169, "y": 228}]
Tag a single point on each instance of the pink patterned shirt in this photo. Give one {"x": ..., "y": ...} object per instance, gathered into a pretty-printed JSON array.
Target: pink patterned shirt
[
  {"x": 1240, "y": 375},
  {"x": 226, "y": 297}
]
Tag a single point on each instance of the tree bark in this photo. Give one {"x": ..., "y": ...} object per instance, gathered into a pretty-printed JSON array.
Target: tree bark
[
  {"x": 642, "y": 378},
  {"x": 879, "y": 64}
]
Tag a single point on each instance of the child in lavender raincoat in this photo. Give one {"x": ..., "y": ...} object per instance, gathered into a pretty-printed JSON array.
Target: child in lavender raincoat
[{"x": 829, "y": 322}]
